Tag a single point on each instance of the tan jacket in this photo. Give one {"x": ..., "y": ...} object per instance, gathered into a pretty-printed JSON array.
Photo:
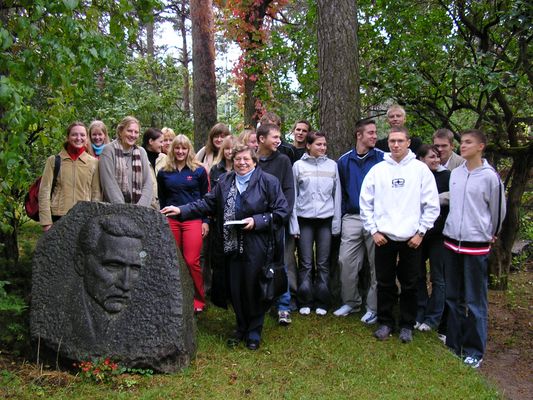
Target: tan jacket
[
  {"x": 159, "y": 163},
  {"x": 77, "y": 181}
]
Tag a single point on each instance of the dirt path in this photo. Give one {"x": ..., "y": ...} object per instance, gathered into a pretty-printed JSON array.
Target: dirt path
[{"x": 509, "y": 357}]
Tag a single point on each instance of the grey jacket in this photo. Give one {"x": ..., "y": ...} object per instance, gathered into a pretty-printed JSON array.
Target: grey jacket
[
  {"x": 477, "y": 204},
  {"x": 318, "y": 192},
  {"x": 110, "y": 188}
]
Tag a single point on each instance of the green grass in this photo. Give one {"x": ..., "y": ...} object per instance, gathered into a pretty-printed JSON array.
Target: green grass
[{"x": 315, "y": 358}]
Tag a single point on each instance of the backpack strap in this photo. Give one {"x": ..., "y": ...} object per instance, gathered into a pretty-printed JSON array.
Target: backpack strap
[{"x": 57, "y": 166}]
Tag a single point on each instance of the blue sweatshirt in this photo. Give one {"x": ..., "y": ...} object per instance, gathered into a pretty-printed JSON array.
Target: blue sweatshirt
[
  {"x": 177, "y": 188},
  {"x": 352, "y": 171}
]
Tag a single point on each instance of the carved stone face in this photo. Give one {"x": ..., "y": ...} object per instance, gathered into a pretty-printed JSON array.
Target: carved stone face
[{"x": 111, "y": 273}]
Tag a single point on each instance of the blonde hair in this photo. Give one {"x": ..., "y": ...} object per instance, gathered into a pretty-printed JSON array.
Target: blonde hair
[
  {"x": 190, "y": 161},
  {"x": 123, "y": 125},
  {"x": 244, "y": 137},
  {"x": 228, "y": 143},
  {"x": 94, "y": 125},
  {"x": 168, "y": 133},
  {"x": 396, "y": 107}
]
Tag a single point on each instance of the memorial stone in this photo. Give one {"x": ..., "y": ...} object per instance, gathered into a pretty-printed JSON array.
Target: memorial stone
[{"x": 106, "y": 283}]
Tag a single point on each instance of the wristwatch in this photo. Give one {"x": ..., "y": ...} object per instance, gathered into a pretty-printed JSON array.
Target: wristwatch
[{"x": 421, "y": 234}]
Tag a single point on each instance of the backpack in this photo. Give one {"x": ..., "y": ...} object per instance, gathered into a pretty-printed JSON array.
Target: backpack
[{"x": 31, "y": 200}]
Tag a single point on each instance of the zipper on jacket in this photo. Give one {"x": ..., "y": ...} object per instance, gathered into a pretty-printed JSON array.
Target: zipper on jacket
[{"x": 463, "y": 212}]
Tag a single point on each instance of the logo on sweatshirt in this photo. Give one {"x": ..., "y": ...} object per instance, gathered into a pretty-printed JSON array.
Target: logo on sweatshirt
[
  {"x": 398, "y": 182},
  {"x": 189, "y": 178}
]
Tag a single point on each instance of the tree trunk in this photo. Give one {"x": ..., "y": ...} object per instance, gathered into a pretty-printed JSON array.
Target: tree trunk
[
  {"x": 501, "y": 256},
  {"x": 9, "y": 249},
  {"x": 338, "y": 70},
  {"x": 250, "y": 113},
  {"x": 150, "y": 48},
  {"x": 203, "y": 62},
  {"x": 185, "y": 62}
]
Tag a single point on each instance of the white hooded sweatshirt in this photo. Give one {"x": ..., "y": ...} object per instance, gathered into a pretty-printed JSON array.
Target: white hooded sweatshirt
[{"x": 399, "y": 199}]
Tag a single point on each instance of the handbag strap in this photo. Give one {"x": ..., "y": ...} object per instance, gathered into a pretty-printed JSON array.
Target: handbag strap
[{"x": 57, "y": 165}]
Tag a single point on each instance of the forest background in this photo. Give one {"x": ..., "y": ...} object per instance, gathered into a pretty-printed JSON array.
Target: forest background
[{"x": 455, "y": 64}]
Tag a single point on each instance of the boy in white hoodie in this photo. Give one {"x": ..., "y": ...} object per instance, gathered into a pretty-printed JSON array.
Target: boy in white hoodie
[
  {"x": 477, "y": 210},
  {"x": 399, "y": 202}
]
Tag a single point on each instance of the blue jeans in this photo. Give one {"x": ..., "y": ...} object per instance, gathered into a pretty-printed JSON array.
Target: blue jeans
[
  {"x": 467, "y": 299},
  {"x": 430, "y": 308},
  {"x": 284, "y": 301}
]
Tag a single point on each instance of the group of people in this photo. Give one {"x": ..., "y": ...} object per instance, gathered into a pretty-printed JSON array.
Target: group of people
[{"x": 243, "y": 201}]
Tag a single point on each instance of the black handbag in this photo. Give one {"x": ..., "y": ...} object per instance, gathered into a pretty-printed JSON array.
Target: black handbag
[{"x": 273, "y": 281}]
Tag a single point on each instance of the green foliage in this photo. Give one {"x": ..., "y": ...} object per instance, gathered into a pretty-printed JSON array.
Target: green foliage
[
  {"x": 12, "y": 326},
  {"x": 52, "y": 54}
]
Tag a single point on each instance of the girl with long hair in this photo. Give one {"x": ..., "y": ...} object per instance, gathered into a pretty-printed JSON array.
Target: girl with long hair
[
  {"x": 182, "y": 180},
  {"x": 124, "y": 167}
]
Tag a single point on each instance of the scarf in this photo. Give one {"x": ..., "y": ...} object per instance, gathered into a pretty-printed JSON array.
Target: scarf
[
  {"x": 242, "y": 181},
  {"x": 122, "y": 175},
  {"x": 232, "y": 235},
  {"x": 98, "y": 149},
  {"x": 74, "y": 152}
]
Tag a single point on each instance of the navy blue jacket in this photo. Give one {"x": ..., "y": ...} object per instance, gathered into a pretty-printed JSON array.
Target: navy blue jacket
[
  {"x": 263, "y": 200},
  {"x": 352, "y": 171}
]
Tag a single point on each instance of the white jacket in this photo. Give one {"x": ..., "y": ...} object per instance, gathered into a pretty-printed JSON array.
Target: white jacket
[
  {"x": 399, "y": 199},
  {"x": 317, "y": 190}
]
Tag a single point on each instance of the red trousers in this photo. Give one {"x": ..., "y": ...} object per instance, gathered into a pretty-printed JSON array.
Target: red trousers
[{"x": 188, "y": 236}]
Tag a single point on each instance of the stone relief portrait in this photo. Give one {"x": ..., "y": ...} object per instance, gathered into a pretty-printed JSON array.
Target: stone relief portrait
[{"x": 107, "y": 282}]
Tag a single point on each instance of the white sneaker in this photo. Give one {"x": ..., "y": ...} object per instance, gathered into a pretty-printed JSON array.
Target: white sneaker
[
  {"x": 344, "y": 311},
  {"x": 305, "y": 311},
  {"x": 442, "y": 337},
  {"x": 321, "y": 311},
  {"x": 369, "y": 318},
  {"x": 423, "y": 327},
  {"x": 473, "y": 362},
  {"x": 417, "y": 325}
]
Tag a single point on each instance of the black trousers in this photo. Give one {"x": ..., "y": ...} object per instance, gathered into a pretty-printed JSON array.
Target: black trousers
[{"x": 397, "y": 260}]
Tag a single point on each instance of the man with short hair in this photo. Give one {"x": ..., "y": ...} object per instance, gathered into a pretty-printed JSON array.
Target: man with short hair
[
  {"x": 279, "y": 165},
  {"x": 299, "y": 132},
  {"x": 355, "y": 241},
  {"x": 396, "y": 117},
  {"x": 284, "y": 148},
  {"x": 477, "y": 210},
  {"x": 399, "y": 202},
  {"x": 443, "y": 140}
]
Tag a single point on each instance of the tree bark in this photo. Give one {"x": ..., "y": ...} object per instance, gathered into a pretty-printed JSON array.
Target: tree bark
[
  {"x": 203, "y": 61},
  {"x": 338, "y": 70},
  {"x": 150, "y": 48},
  {"x": 185, "y": 60},
  {"x": 501, "y": 255}
]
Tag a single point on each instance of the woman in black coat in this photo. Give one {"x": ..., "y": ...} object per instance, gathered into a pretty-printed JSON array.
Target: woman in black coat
[{"x": 254, "y": 200}]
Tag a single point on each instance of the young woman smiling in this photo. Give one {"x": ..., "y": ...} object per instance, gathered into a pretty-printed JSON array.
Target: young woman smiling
[
  {"x": 125, "y": 169},
  {"x": 316, "y": 216},
  {"x": 182, "y": 180},
  {"x": 98, "y": 138},
  {"x": 77, "y": 179}
]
